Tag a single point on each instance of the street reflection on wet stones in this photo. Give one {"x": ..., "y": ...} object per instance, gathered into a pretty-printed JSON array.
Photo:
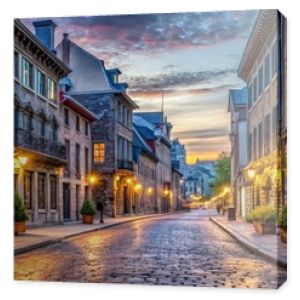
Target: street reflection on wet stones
[{"x": 183, "y": 249}]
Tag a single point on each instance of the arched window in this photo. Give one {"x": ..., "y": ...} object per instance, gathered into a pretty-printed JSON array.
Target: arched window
[{"x": 28, "y": 119}]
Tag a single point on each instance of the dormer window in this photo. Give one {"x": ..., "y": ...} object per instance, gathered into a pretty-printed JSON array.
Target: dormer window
[{"x": 116, "y": 78}]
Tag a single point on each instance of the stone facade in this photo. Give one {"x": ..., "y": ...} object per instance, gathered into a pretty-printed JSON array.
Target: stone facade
[
  {"x": 259, "y": 68},
  {"x": 144, "y": 193},
  {"x": 36, "y": 75},
  {"x": 75, "y": 133},
  {"x": 177, "y": 190},
  {"x": 237, "y": 106}
]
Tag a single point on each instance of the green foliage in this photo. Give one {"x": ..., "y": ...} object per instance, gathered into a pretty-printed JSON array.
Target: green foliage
[
  {"x": 222, "y": 172},
  {"x": 20, "y": 211},
  {"x": 282, "y": 222},
  {"x": 88, "y": 208},
  {"x": 265, "y": 214}
]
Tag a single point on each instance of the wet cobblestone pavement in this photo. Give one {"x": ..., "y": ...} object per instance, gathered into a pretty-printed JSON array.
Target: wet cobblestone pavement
[{"x": 183, "y": 249}]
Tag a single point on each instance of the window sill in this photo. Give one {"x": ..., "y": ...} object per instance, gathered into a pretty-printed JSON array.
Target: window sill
[{"x": 52, "y": 103}]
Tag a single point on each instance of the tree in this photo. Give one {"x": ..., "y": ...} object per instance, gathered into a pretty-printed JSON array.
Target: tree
[{"x": 222, "y": 178}]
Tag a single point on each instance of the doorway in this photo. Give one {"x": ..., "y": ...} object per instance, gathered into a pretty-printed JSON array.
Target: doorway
[
  {"x": 125, "y": 199},
  {"x": 67, "y": 201}
]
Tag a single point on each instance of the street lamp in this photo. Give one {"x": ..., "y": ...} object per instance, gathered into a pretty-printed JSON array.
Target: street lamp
[{"x": 22, "y": 160}]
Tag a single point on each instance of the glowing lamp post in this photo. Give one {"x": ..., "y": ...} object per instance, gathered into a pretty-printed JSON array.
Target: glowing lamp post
[{"x": 22, "y": 160}]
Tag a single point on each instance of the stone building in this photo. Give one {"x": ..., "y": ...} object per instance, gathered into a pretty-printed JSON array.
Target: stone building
[
  {"x": 261, "y": 68},
  {"x": 177, "y": 190},
  {"x": 38, "y": 154},
  {"x": 178, "y": 154},
  {"x": 157, "y": 123},
  {"x": 99, "y": 90},
  {"x": 75, "y": 134},
  {"x": 145, "y": 162},
  {"x": 237, "y": 106}
]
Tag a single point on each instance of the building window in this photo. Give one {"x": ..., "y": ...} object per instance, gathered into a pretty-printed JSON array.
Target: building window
[
  {"x": 254, "y": 144},
  {"x": 250, "y": 156},
  {"x": 28, "y": 179},
  {"x": 41, "y": 191},
  {"x": 260, "y": 80},
  {"x": 66, "y": 116},
  {"x": 275, "y": 62},
  {"x": 86, "y": 160},
  {"x": 267, "y": 70},
  {"x": 99, "y": 153},
  {"x": 16, "y": 65},
  {"x": 86, "y": 128},
  {"x": 260, "y": 139},
  {"x": 124, "y": 116},
  {"x": 68, "y": 157},
  {"x": 274, "y": 127},
  {"x": 51, "y": 90},
  {"x": 86, "y": 192},
  {"x": 77, "y": 160},
  {"x": 27, "y": 73},
  {"x": 54, "y": 133},
  {"x": 40, "y": 83},
  {"x": 27, "y": 120},
  {"x": 254, "y": 89},
  {"x": 267, "y": 135},
  {"x": 77, "y": 123},
  {"x": 250, "y": 95},
  {"x": 53, "y": 191}
]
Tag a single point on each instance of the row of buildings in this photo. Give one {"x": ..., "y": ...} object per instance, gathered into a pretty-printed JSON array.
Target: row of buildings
[
  {"x": 76, "y": 136},
  {"x": 258, "y": 118},
  {"x": 197, "y": 178}
]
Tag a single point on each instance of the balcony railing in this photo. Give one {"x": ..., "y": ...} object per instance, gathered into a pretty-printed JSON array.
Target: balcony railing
[
  {"x": 26, "y": 139},
  {"x": 125, "y": 164}
]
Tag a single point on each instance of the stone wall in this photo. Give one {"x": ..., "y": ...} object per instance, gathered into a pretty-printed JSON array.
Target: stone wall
[{"x": 69, "y": 132}]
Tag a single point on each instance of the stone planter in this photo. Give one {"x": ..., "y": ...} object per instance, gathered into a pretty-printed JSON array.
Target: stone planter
[
  {"x": 88, "y": 219},
  {"x": 265, "y": 228},
  {"x": 283, "y": 235},
  {"x": 20, "y": 227}
]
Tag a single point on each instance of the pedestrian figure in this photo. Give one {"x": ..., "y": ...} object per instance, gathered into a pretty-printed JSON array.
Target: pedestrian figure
[{"x": 100, "y": 209}]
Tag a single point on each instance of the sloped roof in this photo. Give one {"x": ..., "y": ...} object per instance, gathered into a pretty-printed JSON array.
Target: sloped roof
[
  {"x": 238, "y": 97},
  {"x": 140, "y": 145},
  {"x": 152, "y": 117},
  {"x": 88, "y": 72}
]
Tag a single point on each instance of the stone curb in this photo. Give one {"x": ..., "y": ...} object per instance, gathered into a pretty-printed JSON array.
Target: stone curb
[
  {"x": 250, "y": 245},
  {"x": 51, "y": 241}
]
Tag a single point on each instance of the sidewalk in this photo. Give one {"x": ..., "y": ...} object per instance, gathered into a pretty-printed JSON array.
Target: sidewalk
[
  {"x": 44, "y": 236},
  {"x": 270, "y": 246}
]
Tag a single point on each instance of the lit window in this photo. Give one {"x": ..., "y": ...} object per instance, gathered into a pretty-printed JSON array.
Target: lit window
[
  {"x": 51, "y": 90},
  {"x": 99, "y": 153}
]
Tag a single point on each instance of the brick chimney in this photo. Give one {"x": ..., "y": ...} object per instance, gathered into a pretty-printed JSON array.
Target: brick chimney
[
  {"x": 44, "y": 30},
  {"x": 66, "y": 49}
]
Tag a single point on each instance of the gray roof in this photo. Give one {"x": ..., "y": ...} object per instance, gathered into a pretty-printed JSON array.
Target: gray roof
[
  {"x": 238, "y": 97},
  {"x": 156, "y": 117}
]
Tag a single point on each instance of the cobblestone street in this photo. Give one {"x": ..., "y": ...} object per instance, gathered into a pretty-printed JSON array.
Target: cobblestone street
[{"x": 180, "y": 249}]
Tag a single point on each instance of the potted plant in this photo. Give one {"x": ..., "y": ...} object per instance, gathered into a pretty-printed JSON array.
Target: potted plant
[
  {"x": 88, "y": 211},
  {"x": 20, "y": 214},
  {"x": 282, "y": 223},
  {"x": 264, "y": 219}
]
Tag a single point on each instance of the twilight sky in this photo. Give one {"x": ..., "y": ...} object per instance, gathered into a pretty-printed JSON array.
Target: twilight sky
[{"x": 193, "y": 57}]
